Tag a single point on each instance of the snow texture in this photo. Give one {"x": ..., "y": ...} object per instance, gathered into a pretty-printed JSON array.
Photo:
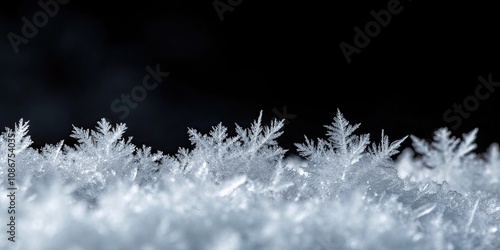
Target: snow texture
[{"x": 239, "y": 191}]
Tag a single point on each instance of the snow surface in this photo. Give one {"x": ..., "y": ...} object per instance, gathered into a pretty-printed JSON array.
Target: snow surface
[{"x": 239, "y": 191}]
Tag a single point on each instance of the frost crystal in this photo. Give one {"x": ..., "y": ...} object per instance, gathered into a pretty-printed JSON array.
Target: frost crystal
[{"x": 240, "y": 191}]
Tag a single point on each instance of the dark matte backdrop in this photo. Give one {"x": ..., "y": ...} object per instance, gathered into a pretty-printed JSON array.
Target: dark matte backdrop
[{"x": 228, "y": 65}]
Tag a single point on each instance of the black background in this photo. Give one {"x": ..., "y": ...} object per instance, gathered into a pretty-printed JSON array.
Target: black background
[{"x": 264, "y": 55}]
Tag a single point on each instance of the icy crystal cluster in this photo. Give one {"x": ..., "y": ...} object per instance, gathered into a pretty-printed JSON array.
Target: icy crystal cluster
[{"x": 239, "y": 191}]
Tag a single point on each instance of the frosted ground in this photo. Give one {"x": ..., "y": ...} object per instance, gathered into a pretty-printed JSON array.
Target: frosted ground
[{"x": 237, "y": 190}]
